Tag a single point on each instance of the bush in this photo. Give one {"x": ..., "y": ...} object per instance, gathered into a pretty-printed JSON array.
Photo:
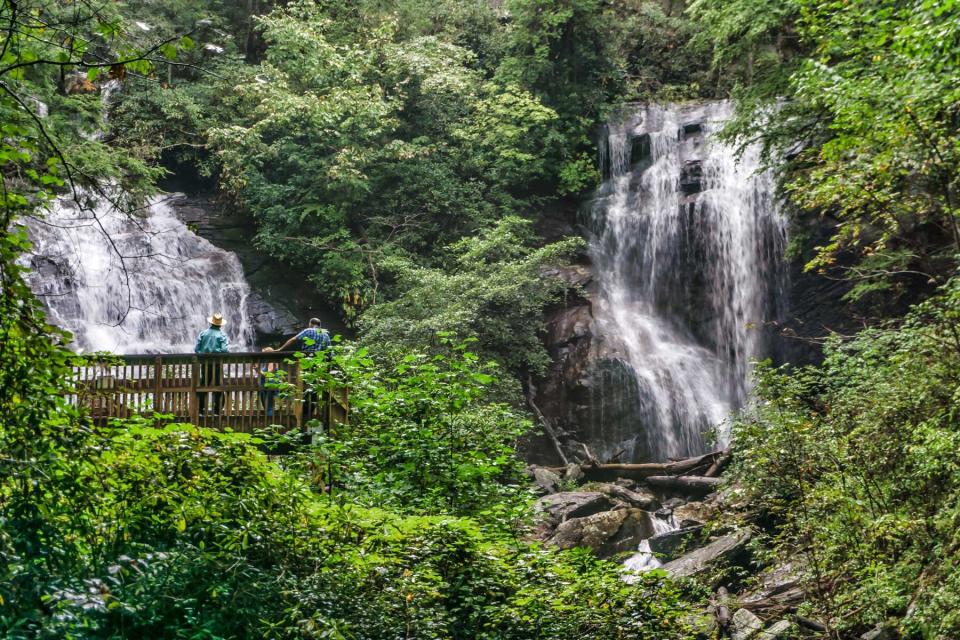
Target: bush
[
  {"x": 191, "y": 533},
  {"x": 856, "y": 463}
]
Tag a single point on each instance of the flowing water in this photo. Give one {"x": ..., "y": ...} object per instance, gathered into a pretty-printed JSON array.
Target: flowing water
[
  {"x": 687, "y": 244},
  {"x": 644, "y": 559},
  {"x": 133, "y": 283}
]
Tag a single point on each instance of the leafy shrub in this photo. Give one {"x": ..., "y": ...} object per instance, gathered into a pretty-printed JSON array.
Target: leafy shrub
[
  {"x": 191, "y": 533},
  {"x": 855, "y": 461}
]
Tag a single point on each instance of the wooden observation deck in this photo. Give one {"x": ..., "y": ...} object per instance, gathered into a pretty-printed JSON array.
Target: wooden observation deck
[{"x": 188, "y": 388}]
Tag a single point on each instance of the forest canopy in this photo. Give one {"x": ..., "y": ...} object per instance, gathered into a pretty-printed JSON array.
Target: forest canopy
[{"x": 424, "y": 164}]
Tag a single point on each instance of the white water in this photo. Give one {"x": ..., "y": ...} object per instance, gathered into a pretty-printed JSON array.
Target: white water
[
  {"x": 644, "y": 559},
  {"x": 134, "y": 283},
  {"x": 688, "y": 280}
]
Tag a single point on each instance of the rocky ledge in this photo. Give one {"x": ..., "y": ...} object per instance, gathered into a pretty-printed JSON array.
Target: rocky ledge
[{"x": 659, "y": 516}]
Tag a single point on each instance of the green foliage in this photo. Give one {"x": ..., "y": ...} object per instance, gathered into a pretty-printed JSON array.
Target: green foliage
[
  {"x": 750, "y": 39},
  {"x": 138, "y": 531},
  {"x": 378, "y": 131},
  {"x": 196, "y": 534},
  {"x": 864, "y": 95},
  {"x": 423, "y": 434},
  {"x": 855, "y": 461},
  {"x": 348, "y": 150},
  {"x": 888, "y": 168},
  {"x": 49, "y": 131},
  {"x": 494, "y": 287}
]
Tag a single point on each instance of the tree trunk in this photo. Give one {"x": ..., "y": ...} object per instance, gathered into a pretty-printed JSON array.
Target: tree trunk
[
  {"x": 610, "y": 472},
  {"x": 684, "y": 483}
]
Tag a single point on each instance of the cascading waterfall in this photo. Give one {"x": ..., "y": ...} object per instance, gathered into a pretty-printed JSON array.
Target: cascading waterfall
[
  {"x": 687, "y": 244},
  {"x": 133, "y": 283}
]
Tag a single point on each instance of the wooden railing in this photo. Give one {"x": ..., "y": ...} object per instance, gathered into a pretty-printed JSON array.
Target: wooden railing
[{"x": 240, "y": 391}]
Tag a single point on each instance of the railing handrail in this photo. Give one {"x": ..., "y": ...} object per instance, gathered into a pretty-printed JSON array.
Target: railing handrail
[
  {"x": 228, "y": 355},
  {"x": 178, "y": 384}
]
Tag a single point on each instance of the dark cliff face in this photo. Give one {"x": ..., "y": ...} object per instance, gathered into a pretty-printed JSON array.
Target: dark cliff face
[
  {"x": 575, "y": 391},
  {"x": 590, "y": 393},
  {"x": 281, "y": 302}
]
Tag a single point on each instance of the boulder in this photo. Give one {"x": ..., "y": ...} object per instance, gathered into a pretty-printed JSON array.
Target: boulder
[
  {"x": 782, "y": 579},
  {"x": 268, "y": 320},
  {"x": 727, "y": 547},
  {"x": 694, "y": 513},
  {"x": 880, "y": 632},
  {"x": 560, "y": 507},
  {"x": 669, "y": 543},
  {"x": 745, "y": 625},
  {"x": 642, "y": 498},
  {"x": 573, "y": 472},
  {"x": 702, "y": 624},
  {"x": 778, "y": 631},
  {"x": 546, "y": 480},
  {"x": 606, "y": 533}
]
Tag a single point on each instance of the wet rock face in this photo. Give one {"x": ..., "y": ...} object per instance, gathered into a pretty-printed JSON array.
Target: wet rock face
[
  {"x": 56, "y": 280},
  {"x": 691, "y": 177},
  {"x": 590, "y": 393},
  {"x": 703, "y": 559},
  {"x": 269, "y": 320},
  {"x": 282, "y": 300},
  {"x": 560, "y": 507},
  {"x": 606, "y": 533}
]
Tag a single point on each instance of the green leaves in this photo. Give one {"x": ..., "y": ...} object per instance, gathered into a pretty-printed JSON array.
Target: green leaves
[
  {"x": 424, "y": 434},
  {"x": 864, "y": 96},
  {"x": 854, "y": 462},
  {"x": 493, "y": 288}
]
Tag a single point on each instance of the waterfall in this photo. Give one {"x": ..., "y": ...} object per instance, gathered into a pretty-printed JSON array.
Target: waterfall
[
  {"x": 686, "y": 243},
  {"x": 133, "y": 283}
]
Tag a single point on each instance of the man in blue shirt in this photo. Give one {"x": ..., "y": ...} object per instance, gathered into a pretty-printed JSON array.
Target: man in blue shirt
[
  {"x": 310, "y": 340},
  {"x": 212, "y": 340}
]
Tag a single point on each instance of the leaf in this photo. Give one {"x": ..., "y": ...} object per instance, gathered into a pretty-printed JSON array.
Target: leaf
[{"x": 169, "y": 51}]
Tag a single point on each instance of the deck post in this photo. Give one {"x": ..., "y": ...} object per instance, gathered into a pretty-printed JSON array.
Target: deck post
[
  {"x": 193, "y": 399},
  {"x": 299, "y": 398},
  {"x": 158, "y": 384}
]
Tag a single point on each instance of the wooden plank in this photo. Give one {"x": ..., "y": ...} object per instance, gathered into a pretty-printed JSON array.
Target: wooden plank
[
  {"x": 298, "y": 397},
  {"x": 109, "y": 388}
]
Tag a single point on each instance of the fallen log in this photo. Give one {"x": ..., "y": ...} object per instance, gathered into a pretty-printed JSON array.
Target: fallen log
[
  {"x": 813, "y": 625},
  {"x": 641, "y": 471},
  {"x": 683, "y": 483},
  {"x": 718, "y": 465}
]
